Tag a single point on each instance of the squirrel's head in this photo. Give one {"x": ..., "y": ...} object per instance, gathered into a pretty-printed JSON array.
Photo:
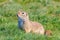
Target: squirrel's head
[{"x": 22, "y": 14}]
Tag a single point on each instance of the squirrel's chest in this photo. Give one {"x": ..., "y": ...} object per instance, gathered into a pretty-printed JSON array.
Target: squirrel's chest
[{"x": 27, "y": 25}]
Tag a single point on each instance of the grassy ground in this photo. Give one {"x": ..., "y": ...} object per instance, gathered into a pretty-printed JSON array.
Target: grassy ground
[{"x": 46, "y": 12}]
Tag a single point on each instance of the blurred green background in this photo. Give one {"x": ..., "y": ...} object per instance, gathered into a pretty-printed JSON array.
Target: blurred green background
[{"x": 46, "y": 12}]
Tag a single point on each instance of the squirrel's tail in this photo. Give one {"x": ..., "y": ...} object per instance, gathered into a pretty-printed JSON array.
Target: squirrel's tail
[{"x": 48, "y": 32}]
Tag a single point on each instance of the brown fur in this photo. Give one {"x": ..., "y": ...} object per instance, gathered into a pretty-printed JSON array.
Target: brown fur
[
  {"x": 30, "y": 26},
  {"x": 48, "y": 32}
]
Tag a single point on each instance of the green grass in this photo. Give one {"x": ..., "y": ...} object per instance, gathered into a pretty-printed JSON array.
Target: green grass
[{"x": 45, "y": 12}]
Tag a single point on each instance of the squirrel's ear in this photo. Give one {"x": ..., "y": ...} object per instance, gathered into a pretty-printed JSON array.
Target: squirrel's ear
[{"x": 26, "y": 14}]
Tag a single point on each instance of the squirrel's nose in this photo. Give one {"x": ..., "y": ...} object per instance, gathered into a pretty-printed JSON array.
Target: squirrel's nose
[{"x": 17, "y": 15}]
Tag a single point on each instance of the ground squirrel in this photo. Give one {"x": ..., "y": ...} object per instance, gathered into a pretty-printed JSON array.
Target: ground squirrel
[{"x": 29, "y": 26}]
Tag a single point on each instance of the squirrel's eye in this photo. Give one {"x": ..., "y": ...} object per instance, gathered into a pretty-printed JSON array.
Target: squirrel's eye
[{"x": 22, "y": 13}]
